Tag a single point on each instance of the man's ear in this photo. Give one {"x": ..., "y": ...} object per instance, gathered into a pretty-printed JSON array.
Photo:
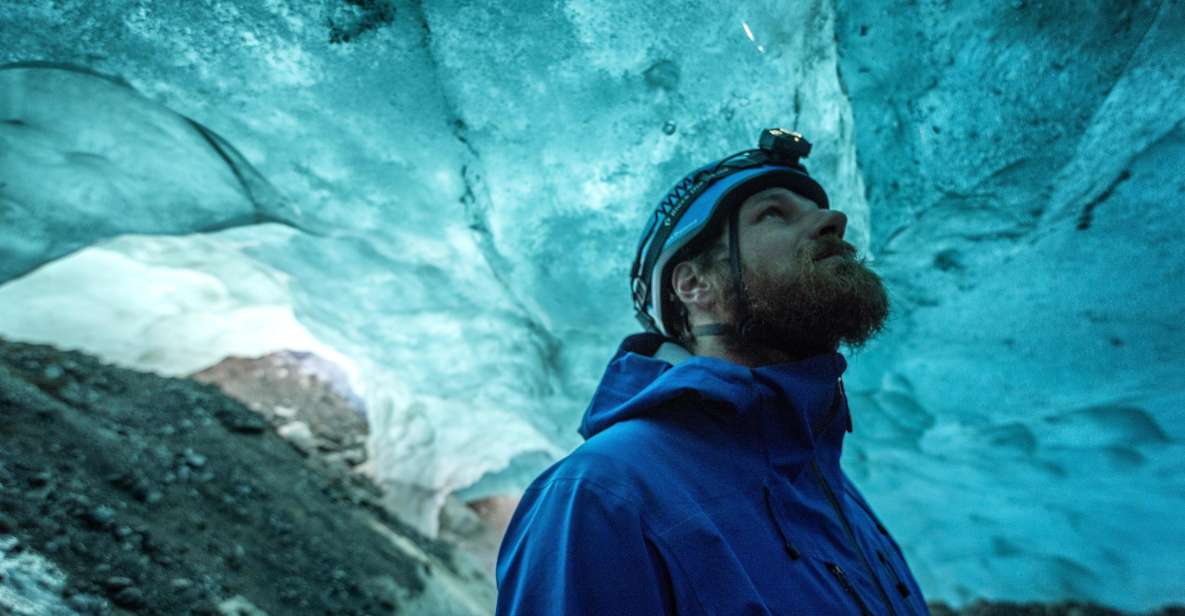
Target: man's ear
[{"x": 691, "y": 286}]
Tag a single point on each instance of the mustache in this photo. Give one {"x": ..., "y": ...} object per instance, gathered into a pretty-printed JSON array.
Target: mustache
[{"x": 830, "y": 246}]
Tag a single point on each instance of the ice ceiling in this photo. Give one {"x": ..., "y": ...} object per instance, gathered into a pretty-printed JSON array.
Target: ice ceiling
[{"x": 444, "y": 197}]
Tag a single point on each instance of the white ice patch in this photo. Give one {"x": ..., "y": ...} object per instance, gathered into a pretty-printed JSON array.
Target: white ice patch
[
  {"x": 171, "y": 305},
  {"x": 29, "y": 584}
]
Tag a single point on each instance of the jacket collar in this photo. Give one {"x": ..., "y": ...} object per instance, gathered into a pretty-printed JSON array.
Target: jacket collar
[{"x": 792, "y": 411}]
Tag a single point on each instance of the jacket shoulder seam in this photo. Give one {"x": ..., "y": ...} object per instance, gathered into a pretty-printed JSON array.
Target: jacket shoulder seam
[
  {"x": 597, "y": 486},
  {"x": 648, "y": 533}
]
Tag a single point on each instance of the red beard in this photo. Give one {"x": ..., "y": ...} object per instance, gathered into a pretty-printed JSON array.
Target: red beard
[{"x": 826, "y": 303}]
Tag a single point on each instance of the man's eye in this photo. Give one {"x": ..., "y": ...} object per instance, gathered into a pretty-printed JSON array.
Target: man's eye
[{"x": 773, "y": 211}]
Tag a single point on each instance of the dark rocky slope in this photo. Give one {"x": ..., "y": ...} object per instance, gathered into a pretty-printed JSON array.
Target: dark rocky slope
[
  {"x": 302, "y": 396},
  {"x": 152, "y": 495},
  {"x": 155, "y": 495}
]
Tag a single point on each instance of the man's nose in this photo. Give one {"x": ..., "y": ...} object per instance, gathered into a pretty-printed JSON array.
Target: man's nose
[{"x": 831, "y": 222}]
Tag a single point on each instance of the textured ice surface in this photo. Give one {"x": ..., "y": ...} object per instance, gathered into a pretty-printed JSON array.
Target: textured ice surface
[
  {"x": 122, "y": 162},
  {"x": 174, "y": 305},
  {"x": 452, "y": 191},
  {"x": 29, "y": 584}
]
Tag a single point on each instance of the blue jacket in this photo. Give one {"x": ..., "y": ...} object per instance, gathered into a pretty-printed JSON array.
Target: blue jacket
[{"x": 704, "y": 488}]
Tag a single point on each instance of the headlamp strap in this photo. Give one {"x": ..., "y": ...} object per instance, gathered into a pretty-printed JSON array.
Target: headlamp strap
[
  {"x": 712, "y": 329},
  {"x": 734, "y": 258}
]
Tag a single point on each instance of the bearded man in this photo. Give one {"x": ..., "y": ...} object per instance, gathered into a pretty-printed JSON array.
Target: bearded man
[{"x": 710, "y": 479}]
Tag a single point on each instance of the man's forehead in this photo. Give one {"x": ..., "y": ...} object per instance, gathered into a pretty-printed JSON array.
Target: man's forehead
[{"x": 779, "y": 194}]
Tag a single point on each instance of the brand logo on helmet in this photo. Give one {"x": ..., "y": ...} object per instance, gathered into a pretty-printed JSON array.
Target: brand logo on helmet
[{"x": 677, "y": 212}]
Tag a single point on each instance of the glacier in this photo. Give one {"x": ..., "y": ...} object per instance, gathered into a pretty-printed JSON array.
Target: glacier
[{"x": 443, "y": 198}]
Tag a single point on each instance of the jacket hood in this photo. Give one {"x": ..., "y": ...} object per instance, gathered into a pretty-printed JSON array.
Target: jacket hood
[
  {"x": 787, "y": 403},
  {"x": 703, "y": 483}
]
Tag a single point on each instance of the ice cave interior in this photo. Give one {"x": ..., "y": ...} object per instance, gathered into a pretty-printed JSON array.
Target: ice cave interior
[{"x": 443, "y": 198}]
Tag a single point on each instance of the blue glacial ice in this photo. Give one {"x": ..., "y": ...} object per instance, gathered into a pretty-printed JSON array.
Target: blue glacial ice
[{"x": 444, "y": 197}]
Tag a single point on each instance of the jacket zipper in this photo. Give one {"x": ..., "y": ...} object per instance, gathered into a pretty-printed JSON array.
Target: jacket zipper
[
  {"x": 847, "y": 586},
  {"x": 843, "y": 518},
  {"x": 902, "y": 589},
  {"x": 826, "y": 423},
  {"x": 851, "y": 535}
]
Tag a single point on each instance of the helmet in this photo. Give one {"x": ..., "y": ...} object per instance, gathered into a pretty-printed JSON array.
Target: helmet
[{"x": 699, "y": 203}]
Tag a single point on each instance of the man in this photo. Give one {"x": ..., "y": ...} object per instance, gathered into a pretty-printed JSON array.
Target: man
[{"x": 710, "y": 480}]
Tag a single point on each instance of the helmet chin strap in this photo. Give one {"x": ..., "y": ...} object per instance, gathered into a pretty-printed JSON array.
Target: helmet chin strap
[
  {"x": 743, "y": 320},
  {"x": 713, "y": 329}
]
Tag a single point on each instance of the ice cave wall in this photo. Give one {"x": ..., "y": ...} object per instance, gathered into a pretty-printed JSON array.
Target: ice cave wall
[{"x": 448, "y": 193}]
